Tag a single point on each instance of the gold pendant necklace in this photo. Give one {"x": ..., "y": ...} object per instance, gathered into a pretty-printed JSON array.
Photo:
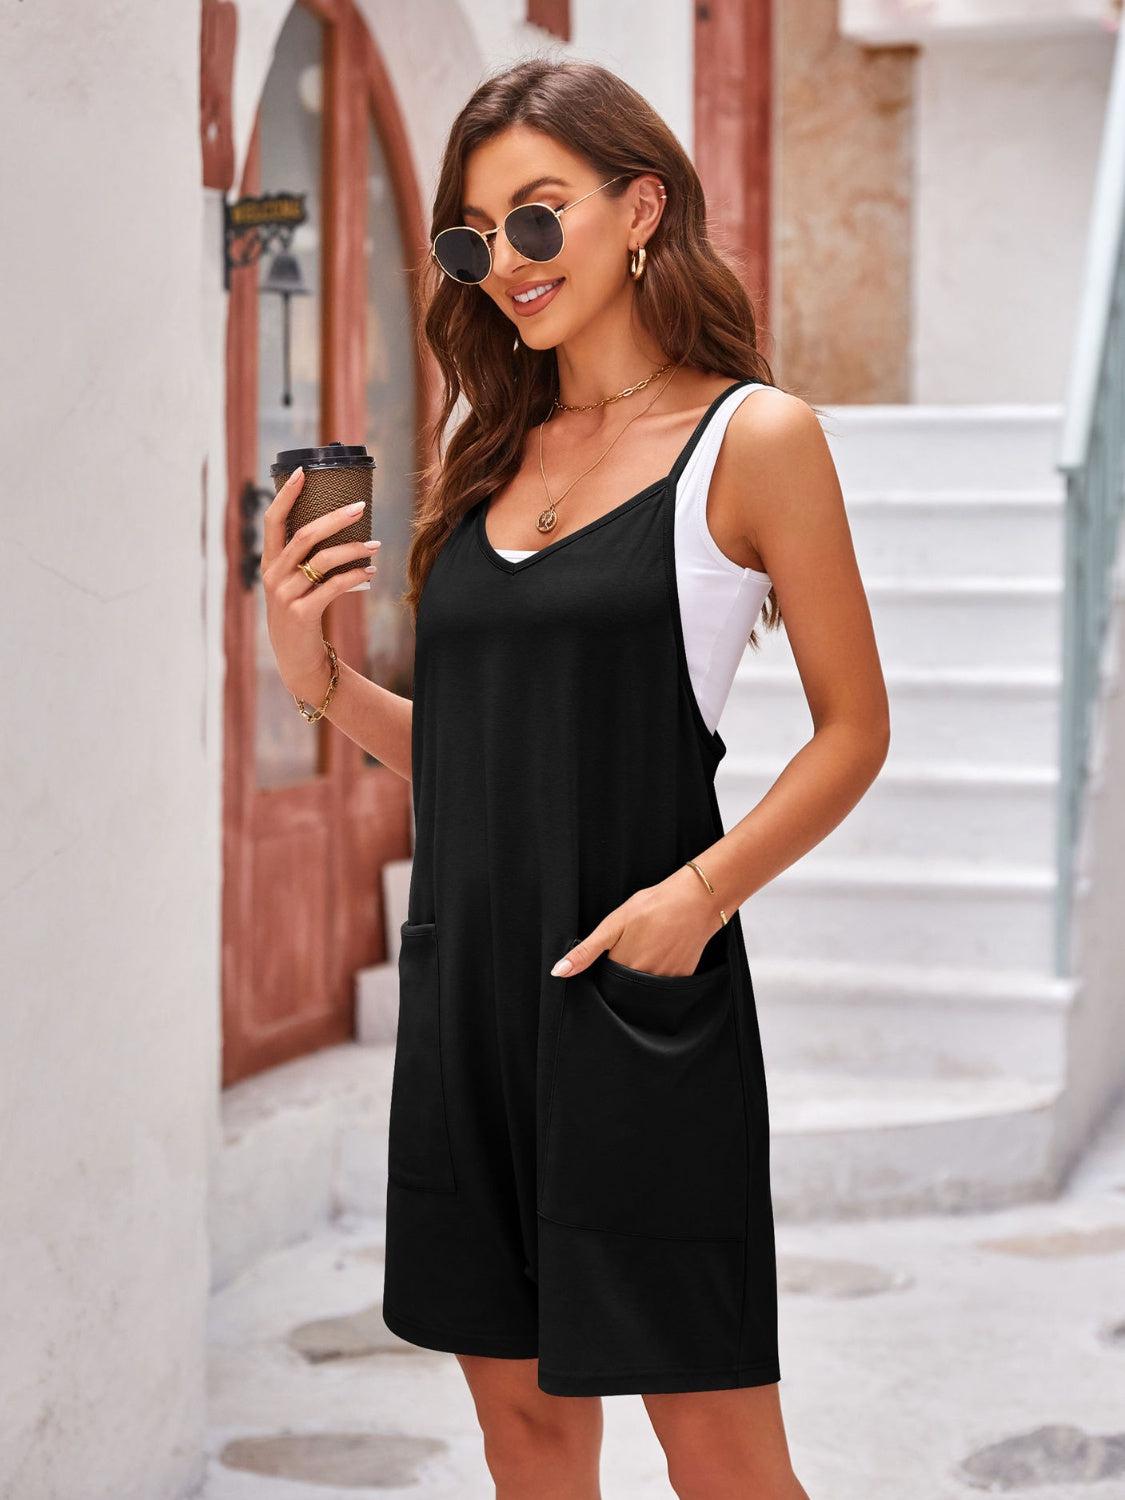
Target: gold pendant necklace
[{"x": 548, "y": 518}]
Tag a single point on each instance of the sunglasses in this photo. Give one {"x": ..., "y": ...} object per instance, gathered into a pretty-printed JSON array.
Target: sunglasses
[{"x": 534, "y": 230}]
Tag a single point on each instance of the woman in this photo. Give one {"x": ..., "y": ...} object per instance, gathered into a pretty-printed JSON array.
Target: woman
[{"x": 579, "y": 1198}]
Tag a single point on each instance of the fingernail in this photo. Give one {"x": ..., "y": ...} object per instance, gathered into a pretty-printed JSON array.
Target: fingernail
[
  {"x": 357, "y": 588},
  {"x": 356, "y": 505},
  {"x": 563, "y": 966},
  {"x": 372, "y": 545},
  {"x": 298, "y": 470}
]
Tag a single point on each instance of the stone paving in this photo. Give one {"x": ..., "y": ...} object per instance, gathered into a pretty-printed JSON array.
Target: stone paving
[{"x": 935, "y": 1358}]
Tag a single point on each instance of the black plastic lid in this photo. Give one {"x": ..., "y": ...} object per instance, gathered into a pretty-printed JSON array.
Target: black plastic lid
[{"x": 332, "y": 456}]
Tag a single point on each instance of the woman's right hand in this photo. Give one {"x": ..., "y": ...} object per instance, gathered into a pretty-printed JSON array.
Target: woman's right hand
[{"x": 294, "y": 605}]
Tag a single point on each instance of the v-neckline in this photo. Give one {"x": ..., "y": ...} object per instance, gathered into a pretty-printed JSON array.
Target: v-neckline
[{"x": 515, "y": 565}]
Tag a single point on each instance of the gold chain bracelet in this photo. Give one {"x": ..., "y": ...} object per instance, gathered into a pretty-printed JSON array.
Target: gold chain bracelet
[
  {"x": 692, "y": 865},
  {"x": 307, "y": 710}
]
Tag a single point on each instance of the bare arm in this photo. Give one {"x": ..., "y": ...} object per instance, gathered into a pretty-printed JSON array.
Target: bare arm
[
  {"x": 776, "y": 484},
  {"x": 793, "y": 515},
  {"x": 375, "y": 718}
]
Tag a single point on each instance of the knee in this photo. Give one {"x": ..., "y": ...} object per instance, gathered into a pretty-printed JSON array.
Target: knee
[
  {"x": 690, "y": 1470},
  {"x": 702, "y": 1475},
  {"x": 520, "y": 1442}
]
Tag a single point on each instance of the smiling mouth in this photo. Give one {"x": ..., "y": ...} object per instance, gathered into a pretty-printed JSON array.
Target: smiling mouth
[{"x": 523, "y": 298}]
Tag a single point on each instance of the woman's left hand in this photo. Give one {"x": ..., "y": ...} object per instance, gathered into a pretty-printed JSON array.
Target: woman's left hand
[{"x": 661, "y": 929}]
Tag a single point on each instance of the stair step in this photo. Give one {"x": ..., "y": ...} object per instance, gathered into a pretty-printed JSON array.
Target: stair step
[
  {"x": 924, "y": 447},
  {"x": 954, "y": 984},
  {"x": 940, "y": 809},
  {"x": 964, "y": 586},
  {"x": 958, "y": 531},
  {"x": 960, "y": 504},
  {"x": 968, "y": 586},
  {"x": 816, "y": 1101},
  {"x": 1008, "y": 715},
  {"x": 948, "y": 773},
  {"x": 929, "y": 876},
  {"x": 851, "y": 1147},
  {"x": 906, "y": 911},
  {"x": 906, "y": 1019},
  {"x": 969, "y": 621}
]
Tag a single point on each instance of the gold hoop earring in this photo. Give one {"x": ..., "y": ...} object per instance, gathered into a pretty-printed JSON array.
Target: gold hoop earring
[{"x": 637, "y": 263}]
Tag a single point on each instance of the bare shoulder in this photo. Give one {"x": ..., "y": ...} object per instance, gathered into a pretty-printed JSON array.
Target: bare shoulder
[
  {"x": 770, "y": 422},
  {"x": 775, "y": 479},
  {"x": 776, "y": 439}
]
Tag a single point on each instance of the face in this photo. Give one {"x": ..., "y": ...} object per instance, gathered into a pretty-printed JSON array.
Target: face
[{"x": 522, "y": 165}]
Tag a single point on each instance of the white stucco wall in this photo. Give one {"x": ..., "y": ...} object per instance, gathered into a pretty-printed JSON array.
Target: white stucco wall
[
  {"x": 1007, "y": 135},
  {"x": 108, "y": 1028},
  {"x": 436, "y": 51}
]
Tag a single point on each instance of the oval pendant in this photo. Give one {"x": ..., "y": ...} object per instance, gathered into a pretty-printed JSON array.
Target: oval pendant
[{"x": 547, "y": 519}]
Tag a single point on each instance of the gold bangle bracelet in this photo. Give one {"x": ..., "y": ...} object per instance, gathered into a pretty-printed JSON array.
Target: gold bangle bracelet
[
  {"x": 307, "y": 710},
  {"x": 692, "y": 865}
]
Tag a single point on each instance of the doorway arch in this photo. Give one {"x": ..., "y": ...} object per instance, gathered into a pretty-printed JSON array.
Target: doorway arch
[{"x": 309, "y": 819}]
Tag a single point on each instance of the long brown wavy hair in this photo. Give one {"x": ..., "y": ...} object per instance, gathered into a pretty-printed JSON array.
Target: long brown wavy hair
[{"x": 689, "y": 298}]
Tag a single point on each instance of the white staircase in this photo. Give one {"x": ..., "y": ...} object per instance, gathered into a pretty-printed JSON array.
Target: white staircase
[{"x": 913, "y": 1029}]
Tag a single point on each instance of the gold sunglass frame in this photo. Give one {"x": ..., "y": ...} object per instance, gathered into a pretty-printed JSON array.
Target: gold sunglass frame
[{"x": 485, "y": 234}]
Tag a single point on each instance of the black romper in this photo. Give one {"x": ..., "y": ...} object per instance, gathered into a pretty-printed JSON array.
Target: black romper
[{"x": 578, "y": 1168}]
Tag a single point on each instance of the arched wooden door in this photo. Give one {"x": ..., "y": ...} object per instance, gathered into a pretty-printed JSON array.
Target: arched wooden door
[{"x": 309, "y": 819}]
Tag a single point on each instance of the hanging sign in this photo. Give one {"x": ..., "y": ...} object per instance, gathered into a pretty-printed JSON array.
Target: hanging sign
[{"x": 251, "y": 226}]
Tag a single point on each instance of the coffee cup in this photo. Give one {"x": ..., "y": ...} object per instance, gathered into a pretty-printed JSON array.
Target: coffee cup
[{"x": 336, "y": 474}]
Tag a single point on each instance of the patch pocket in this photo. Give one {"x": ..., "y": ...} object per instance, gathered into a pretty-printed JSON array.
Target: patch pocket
[
  {"x": 419, "y": 1154},
  {"x": 647, "y": 1121}
]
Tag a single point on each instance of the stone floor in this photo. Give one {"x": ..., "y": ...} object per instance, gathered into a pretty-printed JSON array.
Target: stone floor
[{"x": 931, "y": 1358}]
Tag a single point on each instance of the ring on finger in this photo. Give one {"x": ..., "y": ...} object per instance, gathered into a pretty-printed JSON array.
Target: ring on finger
[{"x": 310, "y": 573}]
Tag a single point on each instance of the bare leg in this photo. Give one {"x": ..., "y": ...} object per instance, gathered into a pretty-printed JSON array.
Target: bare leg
[
  {"x": 536, "y": 1445},
  {"x": 725, "y": 1445}
]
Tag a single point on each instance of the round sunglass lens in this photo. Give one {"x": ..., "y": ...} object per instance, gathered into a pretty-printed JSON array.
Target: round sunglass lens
[
  {"x": 534, "y": 231},
  {"x": 462, "y": 254}
]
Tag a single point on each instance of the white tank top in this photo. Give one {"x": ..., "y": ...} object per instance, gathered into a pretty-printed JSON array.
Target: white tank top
[{"x": 719, "y": 601}]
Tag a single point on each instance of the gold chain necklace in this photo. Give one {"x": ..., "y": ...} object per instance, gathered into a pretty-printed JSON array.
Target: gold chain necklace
[
  {"x": 630, "y": 390},
  {"x": 548, "y": 518}
]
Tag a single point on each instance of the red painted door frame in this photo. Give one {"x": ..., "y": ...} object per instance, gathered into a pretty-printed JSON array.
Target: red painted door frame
[{"x": 302, "y": 900}]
